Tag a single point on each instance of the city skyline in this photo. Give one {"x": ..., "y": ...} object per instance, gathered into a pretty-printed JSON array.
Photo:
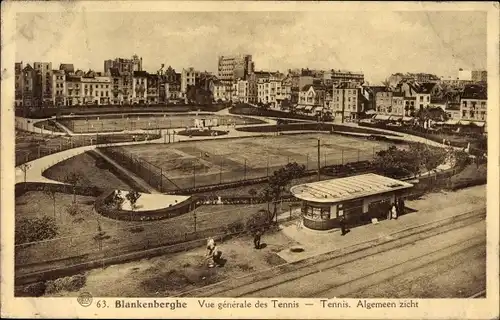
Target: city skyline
[{"x": 433, "y": 42}]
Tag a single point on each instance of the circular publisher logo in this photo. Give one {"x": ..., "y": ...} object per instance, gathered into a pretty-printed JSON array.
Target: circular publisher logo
[{"x": 85, "y": 299}]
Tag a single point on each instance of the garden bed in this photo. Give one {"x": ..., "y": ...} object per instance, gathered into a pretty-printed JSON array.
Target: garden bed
[{"x": 202, "y": 133}]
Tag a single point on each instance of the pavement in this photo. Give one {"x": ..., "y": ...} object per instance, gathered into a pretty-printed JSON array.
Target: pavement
[{"x": 320, "y": 242}]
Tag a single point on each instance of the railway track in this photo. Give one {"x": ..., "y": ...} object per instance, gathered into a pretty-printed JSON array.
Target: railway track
[{"x": 254, "y": 284}]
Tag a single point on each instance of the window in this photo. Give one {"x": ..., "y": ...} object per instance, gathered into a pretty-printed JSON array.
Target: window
[
  {"x": 428, "y": 98},
  {"x": 421, "y": 98},
  {"x": 464, "y": 113}
]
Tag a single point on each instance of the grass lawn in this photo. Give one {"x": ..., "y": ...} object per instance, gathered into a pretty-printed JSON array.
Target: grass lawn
[
  {"x": 153, "y": 121},
  {"x": 76, "y": 237},
  {"x": 48, "y": 125},
  {"x": 86, "y": 165},
  {"x": 199, "y": 163}
]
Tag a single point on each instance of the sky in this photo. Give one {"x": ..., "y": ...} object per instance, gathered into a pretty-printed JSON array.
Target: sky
[{"x": 377, "y": 43}]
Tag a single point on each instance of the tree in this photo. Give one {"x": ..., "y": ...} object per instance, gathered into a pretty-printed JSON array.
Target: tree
[
  {"x": 430, "y": 157},
  {"x": 51, "y": 193},
  {"x": 396, "y": 163},
  {"x": 24, "y": 168},
  {"x": 132, "y": 197},
  {"x": 36, "y": 229},
  {"x": 285, "y": 104},
  {"x": 252, "y": 192},
  {"x": 74, "y": 179},
  {"x": 259, "y": 221},
  {"x": 115, "y": 200},
  {"x": 279, "y": 181}
]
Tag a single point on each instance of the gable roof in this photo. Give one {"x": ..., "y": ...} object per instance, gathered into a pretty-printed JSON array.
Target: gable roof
[{"x": 474, "y": 92}]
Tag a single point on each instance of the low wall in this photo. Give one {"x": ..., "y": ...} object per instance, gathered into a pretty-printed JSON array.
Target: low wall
[
  {"x": 47, "y": 112},
  {"x": 149, "y": 215}
]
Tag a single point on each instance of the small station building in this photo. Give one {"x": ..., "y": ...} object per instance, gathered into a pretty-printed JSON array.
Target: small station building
[{"x": 358, "y": 199}]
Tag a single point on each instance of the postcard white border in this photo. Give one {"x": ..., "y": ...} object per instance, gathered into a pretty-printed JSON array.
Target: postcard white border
[{"x": 68, "y": 307}]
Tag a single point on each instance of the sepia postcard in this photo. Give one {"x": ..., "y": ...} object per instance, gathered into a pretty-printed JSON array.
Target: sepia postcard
[{"x": 249, "y": 159}]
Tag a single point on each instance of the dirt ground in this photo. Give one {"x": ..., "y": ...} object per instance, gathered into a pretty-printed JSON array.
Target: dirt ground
[
  {"x": 208, "y": 162},
  {"x": 172, "y": 274}
]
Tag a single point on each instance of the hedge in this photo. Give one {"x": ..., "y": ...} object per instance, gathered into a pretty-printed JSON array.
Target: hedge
[
  {"x": 423, "y": 134},
  {"x": 23, "y": 187},
  {"x": 246, "y": 109},
  {"x": 312, "y": 127}
]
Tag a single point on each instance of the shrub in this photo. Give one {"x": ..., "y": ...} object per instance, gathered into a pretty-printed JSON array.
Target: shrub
[
  {"x": 35, "y": 229},
  {"x": 72, "y": 284},
  {"x": 36, "y": 289}
]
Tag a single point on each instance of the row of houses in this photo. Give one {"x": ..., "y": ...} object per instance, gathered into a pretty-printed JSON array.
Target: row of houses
[{"x": 408, "y": 97}]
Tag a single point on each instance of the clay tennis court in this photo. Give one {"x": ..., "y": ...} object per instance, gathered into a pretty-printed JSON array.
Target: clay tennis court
[
  {"x": 207, "y": 162},
  {"x": 148, "y": 122}
]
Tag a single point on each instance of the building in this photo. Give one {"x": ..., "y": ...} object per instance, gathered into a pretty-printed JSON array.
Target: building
[
  {"x": 118, "y": 90},
  {"x": 398, "y": 105},
  {"x": 96, "y": 89},
  {"x": 188, "y": 78},
  {"x": 67, "y": 68},
  {"x": 231, "y": 68},
  {"x": 44, "y": 69},
  {"x": 240, "y": 91},
  {"x": 479, "y": 76},
  {"x": 453, "y": 111},
  {"x": 139, "y": 87},
  {"x": 340, "y": 76},
  {"x": 312, "y": 98},
  {"x": 124, "y": 65},
  {"x": 473, "y": 103},
  {"x": 59, "y": 85},
  {"x": 273, "y": 89},
  {"x": 348, "y": 100},
  {"x": 464, "y": 75},
  {"x": 357, "y": 199},
  {"x": 396, "y": 78},
  {"x": 30, "y": 87},
  {"x": 18, "y": 71},
  {"x": 153, "y": 89},
  {"x": 383, "y": 101},
  {"x": 74, "y": 89},
  {"x": 220, "y": 91}
]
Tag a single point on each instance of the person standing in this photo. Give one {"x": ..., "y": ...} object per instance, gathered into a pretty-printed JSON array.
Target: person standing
[
  {"x": 342, "y": 223},
  {"x": 256, "y": 239},
  {"x": 394, "y": 212}
]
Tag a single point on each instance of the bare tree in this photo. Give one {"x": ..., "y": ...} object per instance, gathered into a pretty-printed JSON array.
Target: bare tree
[
  {"x": 51, "y": 193},
  {"x": 74, "y": 179},
  {"x": 24, "y": 168}
]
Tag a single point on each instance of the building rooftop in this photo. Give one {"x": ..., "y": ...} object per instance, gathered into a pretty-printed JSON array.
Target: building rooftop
[
  {"x": 474, "y": 92},
  {"x": 143, "y": 74},
  {"x": 342, "y": 189}
]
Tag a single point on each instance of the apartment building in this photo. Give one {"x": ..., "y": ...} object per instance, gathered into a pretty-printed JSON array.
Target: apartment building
[
  {"x": 348, "y": 100},
  {"x": 59, "y": 85},
  {"x": 188, "y": 78},
  {"x": 383, "y": 101},
  {"x": 44, "y": 69},
  {"x": 473, "y": 103},
  {"x": 153, "y": 88},
  {"x": 96, "y": 89},
  {"x": 18, "y": 71},
  {"x": 233, "y": 67},
  {"x": 139, "y": 87}
]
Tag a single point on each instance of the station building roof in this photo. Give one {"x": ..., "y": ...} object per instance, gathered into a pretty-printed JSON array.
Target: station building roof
[{"x": 349, "y": 188}]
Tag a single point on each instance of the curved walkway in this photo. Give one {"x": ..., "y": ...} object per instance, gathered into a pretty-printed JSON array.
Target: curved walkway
[{"x": 36, "y": 167}]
